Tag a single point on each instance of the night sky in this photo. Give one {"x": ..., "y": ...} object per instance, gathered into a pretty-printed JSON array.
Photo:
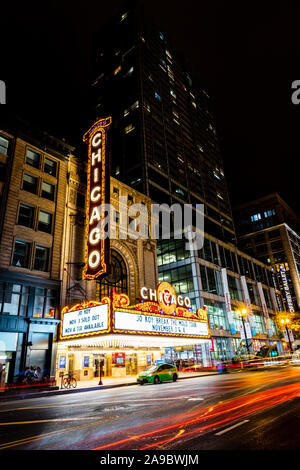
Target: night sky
[{"x": 246, "y": 54}]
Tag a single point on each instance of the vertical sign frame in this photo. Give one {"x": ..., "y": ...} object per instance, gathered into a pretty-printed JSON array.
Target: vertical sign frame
[{"x": 97, "y": 248}]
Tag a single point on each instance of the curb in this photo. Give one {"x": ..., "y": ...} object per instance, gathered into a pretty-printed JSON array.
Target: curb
[{"x": 79, "y": 390}]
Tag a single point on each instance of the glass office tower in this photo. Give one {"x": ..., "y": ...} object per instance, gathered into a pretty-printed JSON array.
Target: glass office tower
[{"x": 164, "y": 144}]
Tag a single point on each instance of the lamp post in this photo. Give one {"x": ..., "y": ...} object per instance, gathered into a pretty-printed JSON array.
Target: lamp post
[
  {"x": 285, "y": 321},
  {"x": 243, "y": 314}
]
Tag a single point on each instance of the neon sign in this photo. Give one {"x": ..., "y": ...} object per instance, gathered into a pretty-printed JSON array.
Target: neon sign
[{"x": 97, "y": 245}]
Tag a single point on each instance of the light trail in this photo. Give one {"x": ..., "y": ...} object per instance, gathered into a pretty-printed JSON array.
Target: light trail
[{"x": 240, "y": 407}]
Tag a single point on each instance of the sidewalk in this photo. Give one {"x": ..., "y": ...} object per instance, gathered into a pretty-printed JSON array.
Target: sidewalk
[{"x": 91, "y": 385}]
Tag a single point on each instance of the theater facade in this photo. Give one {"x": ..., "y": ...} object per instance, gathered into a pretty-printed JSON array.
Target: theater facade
[{"x": 124, "y": 337}]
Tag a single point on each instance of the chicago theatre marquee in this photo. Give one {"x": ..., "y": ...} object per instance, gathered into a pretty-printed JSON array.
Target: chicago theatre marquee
[{"x": 115, "y": 312}]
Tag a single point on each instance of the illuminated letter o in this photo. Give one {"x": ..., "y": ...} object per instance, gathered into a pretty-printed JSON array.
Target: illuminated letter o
[
  {"x": 94, "y": 259},
  {"x": 187, "y": 302}
]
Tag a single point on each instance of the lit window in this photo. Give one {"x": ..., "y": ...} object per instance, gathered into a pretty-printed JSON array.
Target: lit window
[
  {"x": 162, "y": 37},
  {"x": 255, "y": 217},
  {"x": 129, "y": 72},
  {"x": 50, "y": 167},
  {"x": 269, "y": 213},
  {"x": 33, "y": 158},
  {"x": 194, "y": 104},
  {"x": 116, "y": 217},
  {"x": 219, "y": 196},
  {"x": 117, "y": 70},
  {"x": 129, "y": 129},
  {"x": 124, "y": 16},
  {"x": 131, "y": 108},
  {"x": 4, "y": 144},
  {"x": 45, "y": 222},
  {"x": 21, "y": 254},
  {"x": 170, "y": 73},
  {"x": 157, "y": 96},
  {"x": 200, "y": 148},
  {"x": 30, "y": 183},
  {"x": 163, "y": 62},
  {"x": 172, "y": 92},
  {"x": 48, "y": 190},
  {"x": 41, "y": 259},
  {"x": 216, "y": 173},
  {"x": 179, "y": 191},
  {"x": 168, "y": 54}
]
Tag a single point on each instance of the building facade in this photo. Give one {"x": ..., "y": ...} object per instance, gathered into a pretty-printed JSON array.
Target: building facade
[
  {"x": 269, "y": 229},
  {"x": 34, "y": 170},
  {"x": 165, "y": 144},
  {"x": 133, "y": 265}
]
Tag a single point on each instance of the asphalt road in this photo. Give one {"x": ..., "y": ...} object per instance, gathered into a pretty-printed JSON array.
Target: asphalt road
[{"x": 234, "y": 411}]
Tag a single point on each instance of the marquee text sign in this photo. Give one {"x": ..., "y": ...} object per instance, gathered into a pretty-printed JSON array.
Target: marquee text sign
[
  {"x": 128, "y": 322},
  {"x": 85, "y": 321},
  {"x": 97, "y": 245}
]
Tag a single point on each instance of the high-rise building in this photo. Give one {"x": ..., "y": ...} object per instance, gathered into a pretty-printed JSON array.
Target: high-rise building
[
  {"x": 268, "y": 229},
  {"x": 165, "y": 145},
  {"x": 164, "y": 138}
]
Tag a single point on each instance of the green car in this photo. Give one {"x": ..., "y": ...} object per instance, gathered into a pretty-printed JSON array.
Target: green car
[{"x": 157, "y": 374}]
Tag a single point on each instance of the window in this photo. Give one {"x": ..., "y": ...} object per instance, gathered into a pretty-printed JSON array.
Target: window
[
  {"x": 11, "y": 299},
  {"x": 255, "y": 217},
  {"x": 50, "y": 167},
  {"x": 117, "y": 70},
  {"x": 45, "y": 303},
  {"x": 41, "y": 259},
  {"x": 80, "y": 200},
  {"x": 26, "y": 215},
  {"x": 33, "y": 158},
  {"x": 124, "y": 16},
  {"x": 129, "y": 72},
  {"x": 129, "y": 129},
  {"x": 269, "y": 213},
  {"x": 39, "y": 299},
  {"x": 21, "y": 254},
  {"x": 4, "y": 144},
  {"x": 2, "y": 171},
  {"x": 116, "y": 217},
  {"x": 45, "y": 222},
  {"x": 157, "y": 96},
  {"x": 48, "y": 190},
  {"x": 162, "y": 37},
  {"x": 30, "y": 183}
]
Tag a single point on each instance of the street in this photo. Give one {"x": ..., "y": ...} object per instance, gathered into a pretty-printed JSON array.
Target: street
[{"x": 253, "y": 410}]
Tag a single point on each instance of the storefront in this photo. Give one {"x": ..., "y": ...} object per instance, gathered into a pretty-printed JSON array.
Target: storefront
[{"x": 125, "y": 338}]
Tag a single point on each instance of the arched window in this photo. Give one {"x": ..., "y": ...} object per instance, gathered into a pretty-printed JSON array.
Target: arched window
[{"x": 117, "y": 277}]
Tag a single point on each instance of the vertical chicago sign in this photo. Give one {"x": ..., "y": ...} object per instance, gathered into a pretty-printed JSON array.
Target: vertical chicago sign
[{"x": 98, "y": 193}]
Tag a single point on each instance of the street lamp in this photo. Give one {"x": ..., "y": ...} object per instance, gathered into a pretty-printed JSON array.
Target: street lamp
[
  {"x": 285, "y": 321},
  {"x": 243, "y": 313}
]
